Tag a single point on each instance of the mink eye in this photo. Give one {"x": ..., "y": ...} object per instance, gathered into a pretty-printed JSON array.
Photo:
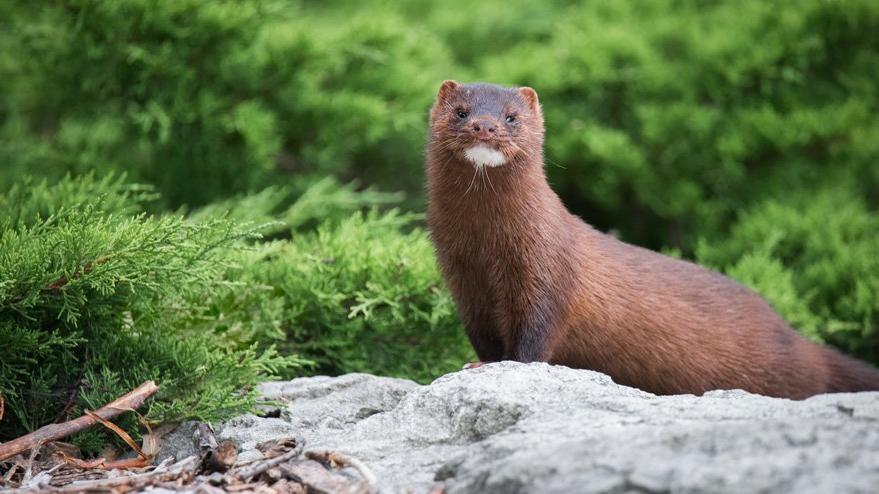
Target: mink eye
[
  {"x": 462, "y": 114},
  {"x": 511, "y": 118}
]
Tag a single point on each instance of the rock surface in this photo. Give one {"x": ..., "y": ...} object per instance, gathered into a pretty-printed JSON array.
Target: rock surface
[{"x": 517, "y": 428}]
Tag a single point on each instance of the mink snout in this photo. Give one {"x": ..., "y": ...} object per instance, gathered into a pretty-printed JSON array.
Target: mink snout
[{"x": 484, "y": 128}]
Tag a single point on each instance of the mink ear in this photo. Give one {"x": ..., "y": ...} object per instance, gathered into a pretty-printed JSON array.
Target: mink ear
[
  {"x": 530, "y": 96},
  {"x": 446, "y": 89},
  {"x": 445, "y": 92}
]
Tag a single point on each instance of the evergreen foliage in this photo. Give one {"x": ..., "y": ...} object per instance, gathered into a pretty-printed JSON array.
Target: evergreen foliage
[
  {"x": 742, "y": 134},
  {"x": 95, "y": 299},
  {"x": 815, "y": 258},
  {"x": 664, "y": 117},
  {"x": 667, "y": 117},
  {"x": 364, "y": 295},
  {"x": 97, "y": 296},
  {"x": 350, "y": 292},
  {"x": 208, "y": 99}
]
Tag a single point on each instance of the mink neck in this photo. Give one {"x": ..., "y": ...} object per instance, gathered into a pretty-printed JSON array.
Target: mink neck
[
  {"x": 511, "y": 219},
  {"x": 491, "y": 197}
]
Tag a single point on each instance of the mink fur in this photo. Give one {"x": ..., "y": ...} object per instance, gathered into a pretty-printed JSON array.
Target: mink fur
[{"x": 532, "y": 282}]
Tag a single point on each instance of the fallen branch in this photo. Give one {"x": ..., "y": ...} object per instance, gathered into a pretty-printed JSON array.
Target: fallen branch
[
  {"x": 338, "y": 460},
  {"x": 9, "y": 474},
  {"x": 28, "y": 471},
  {"x": 251, "y": 471},
  {"x": 104, "y": 464},
  {"x": 181, "y": 472},
  {"x": 53, "y": 432}
]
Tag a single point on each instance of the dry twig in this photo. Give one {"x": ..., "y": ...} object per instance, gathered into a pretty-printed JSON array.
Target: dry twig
[
  {"x": 251, "y": 471},
  {"x": 105, "y": 464},
  {"x": 339, "y": 460},
  {"x": 53, "y": 432},
  {"x": 9, "y": 474},
  {"x": 182, "y": 472},
  {"x": 29, "y": 469}
]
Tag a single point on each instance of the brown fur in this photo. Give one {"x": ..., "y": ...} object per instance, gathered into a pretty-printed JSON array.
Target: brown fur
[{"x": 533, "y": 282}]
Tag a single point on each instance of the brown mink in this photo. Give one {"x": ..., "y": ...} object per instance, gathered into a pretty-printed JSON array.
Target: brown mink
[{"x": 533, "y": 282}]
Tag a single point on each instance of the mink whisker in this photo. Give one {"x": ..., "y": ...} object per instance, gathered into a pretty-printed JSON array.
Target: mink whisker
[
  {"x": 489, "y": 182},
  {"x": 472, "y": 181}
]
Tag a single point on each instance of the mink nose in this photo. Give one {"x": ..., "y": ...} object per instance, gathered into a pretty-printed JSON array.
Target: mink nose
[{"x": 484, "y": 128}]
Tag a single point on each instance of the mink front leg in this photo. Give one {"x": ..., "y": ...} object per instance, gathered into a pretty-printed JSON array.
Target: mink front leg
[
  {"x": 530, "y": 346},
  {"x": 488, "y": 345},
  {"x": 531, "y": 338},
  {"x": 482, "y": 332}
]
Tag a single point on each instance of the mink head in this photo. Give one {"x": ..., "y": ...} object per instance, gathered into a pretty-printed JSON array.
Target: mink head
[{"x": 487, "y": 125}]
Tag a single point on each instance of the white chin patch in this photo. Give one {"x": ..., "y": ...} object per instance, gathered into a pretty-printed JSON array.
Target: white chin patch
[{"x": 482, "y": 155}]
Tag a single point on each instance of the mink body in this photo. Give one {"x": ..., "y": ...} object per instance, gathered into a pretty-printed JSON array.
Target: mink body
[{"x": 532, "y": 282}]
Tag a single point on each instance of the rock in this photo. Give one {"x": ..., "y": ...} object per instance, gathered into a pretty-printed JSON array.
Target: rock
[
  {"x": 511, "y": 428},
  {"x": 179, "y": 444}
]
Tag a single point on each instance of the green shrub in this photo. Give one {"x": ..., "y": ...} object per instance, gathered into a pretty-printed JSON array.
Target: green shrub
[
  {"x": 97, "y": 297},
  {"x": 664, "y": 117},
  {"x": 281, "y": 208},
  {"x": 209, "y": 99},
  {"x": 95, "y": 300},
  {"x": 365, "y": 295},
  {"x": 358, "y": 293},
  {"x": 668, "y": 116},
  {"x": 138, "y": 86},
  {"x": 814, "y": 257}
]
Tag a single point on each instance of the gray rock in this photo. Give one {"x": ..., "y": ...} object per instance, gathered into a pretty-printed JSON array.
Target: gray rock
[
  {"x": 516, "y": 428},
  {"x": 179, "y": 444}
]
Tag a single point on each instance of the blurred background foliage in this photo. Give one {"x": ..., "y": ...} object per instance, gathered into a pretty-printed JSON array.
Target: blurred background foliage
[{"x": 739, "y": 134}]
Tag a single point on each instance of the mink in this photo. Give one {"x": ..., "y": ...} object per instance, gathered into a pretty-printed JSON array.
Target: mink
[{"x": 533, "y": 282}]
